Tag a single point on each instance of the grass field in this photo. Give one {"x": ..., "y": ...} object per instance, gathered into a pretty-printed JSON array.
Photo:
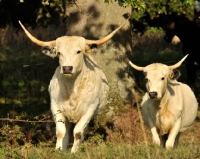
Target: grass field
[{"x": 97, "y": 149}]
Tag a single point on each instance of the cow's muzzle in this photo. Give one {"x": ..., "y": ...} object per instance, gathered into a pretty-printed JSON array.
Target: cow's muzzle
[
  {"x": 67, "y": 69},
  {"x": 153, "y": 95}
]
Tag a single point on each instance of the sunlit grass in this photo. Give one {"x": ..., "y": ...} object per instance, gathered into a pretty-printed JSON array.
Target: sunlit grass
[{"x": 187, "y": 150}]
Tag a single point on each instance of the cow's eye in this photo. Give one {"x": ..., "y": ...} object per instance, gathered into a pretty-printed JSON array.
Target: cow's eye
[
  {"x": 162, "y": 78},
  {"x": 78, "y": 52},
  {"x": 146, "y": 80},
  {"x": 58, "y": 53}
]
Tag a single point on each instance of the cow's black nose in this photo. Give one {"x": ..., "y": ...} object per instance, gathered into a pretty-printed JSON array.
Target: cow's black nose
[
  {"x": 153, "y": 94},
  {"x": 67, "y": 69}
]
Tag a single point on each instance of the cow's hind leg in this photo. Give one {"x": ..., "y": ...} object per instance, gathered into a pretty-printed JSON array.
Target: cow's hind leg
[{"x": 62, "y": 132}]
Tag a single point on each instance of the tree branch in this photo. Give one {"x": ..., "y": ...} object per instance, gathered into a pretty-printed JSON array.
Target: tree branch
[{"x": 26, "y": 121}]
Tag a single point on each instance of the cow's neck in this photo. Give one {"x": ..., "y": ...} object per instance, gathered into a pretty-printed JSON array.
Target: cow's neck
[
  {"x": 165, "y": 114},
  {"x": 169, "y": 92},
  {"x": 164, "y": 101}
]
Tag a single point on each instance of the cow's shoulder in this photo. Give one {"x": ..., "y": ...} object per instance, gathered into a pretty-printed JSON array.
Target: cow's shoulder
[
  {"x": 94, "y": 67},
  {"x": 90, "y": 62}
]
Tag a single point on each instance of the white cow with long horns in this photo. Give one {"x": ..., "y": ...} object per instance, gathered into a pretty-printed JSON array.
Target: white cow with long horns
[
  {"x": 168, "y": 107},
  {"x": 78, "y": 88}
]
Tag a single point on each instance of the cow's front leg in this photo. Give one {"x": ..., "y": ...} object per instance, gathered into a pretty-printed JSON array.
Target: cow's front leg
[
  {"x": 62, "y": 132},
  {"x": 79, "y": 129},
  {"x": 148, "y": 108},
  {"x": 155, "y": 136},
  {"x": 173, "y": 134}
]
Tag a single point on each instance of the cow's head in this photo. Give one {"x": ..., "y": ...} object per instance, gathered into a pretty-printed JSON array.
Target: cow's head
[
  {"x": 69, "y": 49},
  {"x": 157, "y": 76},
  {"x": 170, "y": 31}
]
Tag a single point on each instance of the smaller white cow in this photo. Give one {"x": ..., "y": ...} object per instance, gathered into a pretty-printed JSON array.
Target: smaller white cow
[
  {"x": 78, "y": 88},
  {"x": 168, "y": 107}
]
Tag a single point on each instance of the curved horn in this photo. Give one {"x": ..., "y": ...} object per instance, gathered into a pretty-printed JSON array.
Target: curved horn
[
  {"x": 178, "y": 63},
  {"x": 105, "y": 39},
  {"x": 36, "y": 41},
  {"x": 136, "y": 67}
]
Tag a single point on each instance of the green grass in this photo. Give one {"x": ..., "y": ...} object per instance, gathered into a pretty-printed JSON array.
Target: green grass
[
  {"x": 187, "y": 150},
  {"x": 24, "y": 78}
]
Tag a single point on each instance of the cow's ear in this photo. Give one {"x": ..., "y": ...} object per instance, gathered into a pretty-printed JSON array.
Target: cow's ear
[
  {"x": 90, "y": 47},
  {"x": 49, "y": 51},
  {"x": 174, "y": 74}
]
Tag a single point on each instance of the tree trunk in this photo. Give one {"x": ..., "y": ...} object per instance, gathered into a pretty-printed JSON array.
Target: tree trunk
[{"x": 93, "y": 19}]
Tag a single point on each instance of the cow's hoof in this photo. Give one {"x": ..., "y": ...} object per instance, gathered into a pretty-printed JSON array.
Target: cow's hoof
[{"x": 156, "y": 141}]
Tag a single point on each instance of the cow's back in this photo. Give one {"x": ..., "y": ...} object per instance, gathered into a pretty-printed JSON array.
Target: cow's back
[{"x": 190, "y": 107}]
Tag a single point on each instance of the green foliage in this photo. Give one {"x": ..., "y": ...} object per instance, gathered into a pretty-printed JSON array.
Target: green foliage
[
  {"x": 23, "y": 84},
  {"x": 147, "y": 13},
  {"x": 156, "y": 7},
  {"x": 32, "y": 12},
  {"x": 11, "y": 135},
  {"x": 91, "y": 142},
  {"x": 151, "y": 31}
]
